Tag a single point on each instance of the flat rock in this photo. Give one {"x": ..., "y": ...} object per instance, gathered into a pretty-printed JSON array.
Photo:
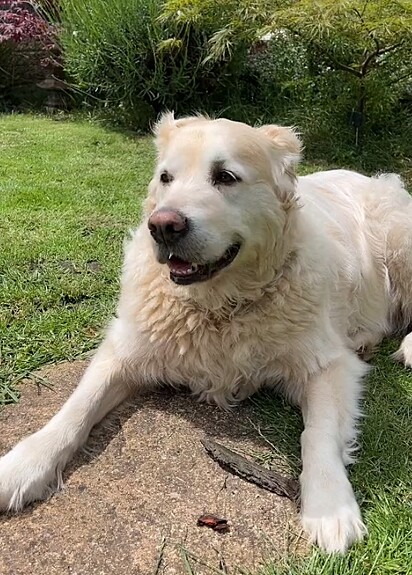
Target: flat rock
[{"x": 132, "y": 497}]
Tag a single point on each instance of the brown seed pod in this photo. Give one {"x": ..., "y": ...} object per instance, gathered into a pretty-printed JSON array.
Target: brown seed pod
[{"x": 214, "y": 522}]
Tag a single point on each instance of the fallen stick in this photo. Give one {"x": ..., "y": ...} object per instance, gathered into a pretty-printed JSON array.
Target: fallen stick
[{"x": 252, "y": 472}]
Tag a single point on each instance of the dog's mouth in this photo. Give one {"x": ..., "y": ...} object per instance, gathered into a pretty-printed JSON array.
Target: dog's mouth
[{"x": 186, "y": 273}]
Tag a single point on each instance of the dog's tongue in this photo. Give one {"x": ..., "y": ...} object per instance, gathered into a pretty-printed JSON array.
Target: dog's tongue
[{"x": 178, "y": 266}]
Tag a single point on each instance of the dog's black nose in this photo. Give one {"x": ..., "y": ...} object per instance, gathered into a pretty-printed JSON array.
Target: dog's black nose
[{"x": 167, "y": 226}]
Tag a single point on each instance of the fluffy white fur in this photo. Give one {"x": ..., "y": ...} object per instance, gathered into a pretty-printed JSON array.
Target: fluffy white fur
[{"x": 324, "y": 272}]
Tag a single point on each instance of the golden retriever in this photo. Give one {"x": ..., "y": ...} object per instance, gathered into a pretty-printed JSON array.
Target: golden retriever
[{"x": 243, "y": 275}]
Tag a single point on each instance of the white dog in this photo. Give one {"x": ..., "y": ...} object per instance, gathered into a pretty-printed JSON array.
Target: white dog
[{"x": 242, "y": 275}]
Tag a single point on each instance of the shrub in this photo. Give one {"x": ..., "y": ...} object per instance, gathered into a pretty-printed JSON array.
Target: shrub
[
  {"x": 138, "y": 61},
  {"x": 295, "y": 61},
  {"x": 323, "y": 66},
  {"x": 27, "y": 52}
]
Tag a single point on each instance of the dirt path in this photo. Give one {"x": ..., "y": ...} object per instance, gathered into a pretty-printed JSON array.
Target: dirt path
[{"x": 137, "y": 490}]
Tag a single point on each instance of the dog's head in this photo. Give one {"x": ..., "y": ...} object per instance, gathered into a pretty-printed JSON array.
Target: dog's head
[{"x": 220, "y": 195}]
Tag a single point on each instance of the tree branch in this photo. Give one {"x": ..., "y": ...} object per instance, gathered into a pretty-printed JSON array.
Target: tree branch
[
  {"x": 375, "y": 54},
  {"x": 368, "y": 30},
  {"x": 252, "y": 472},
  {"x": 328, "y": 55}
]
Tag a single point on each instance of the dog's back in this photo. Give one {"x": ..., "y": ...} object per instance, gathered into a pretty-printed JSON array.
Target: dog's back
[{"x": 371, "y": 218}]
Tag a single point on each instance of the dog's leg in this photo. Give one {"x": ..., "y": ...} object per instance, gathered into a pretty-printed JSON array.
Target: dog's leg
[
  {"x": 404, "y": 353},
  {"x": 330, "y": 513},
  {"x": 33, "y": 468}
]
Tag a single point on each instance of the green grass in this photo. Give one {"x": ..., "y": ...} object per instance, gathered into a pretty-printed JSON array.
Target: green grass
[
  {"x": 69, "y": 191},
  {"x": 382, "y": 477}
]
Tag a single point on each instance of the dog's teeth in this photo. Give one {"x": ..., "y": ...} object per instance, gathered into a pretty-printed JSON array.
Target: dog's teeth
[
  {"x": 194, "y": 267},
  {"x": 170, "y": 256}
]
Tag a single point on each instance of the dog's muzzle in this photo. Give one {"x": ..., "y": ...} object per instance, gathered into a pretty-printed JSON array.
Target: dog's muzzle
[{"x": 167, "y": 228}]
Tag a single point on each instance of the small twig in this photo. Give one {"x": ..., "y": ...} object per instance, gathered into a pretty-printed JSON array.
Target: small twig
[
  {"x": 300, "y": 536},
  {"x": 160, "y": 556},
  {"x": 222, "y": 565},
  {"x": 252, "y": 472},
  {"x": 265, "y": 439}
]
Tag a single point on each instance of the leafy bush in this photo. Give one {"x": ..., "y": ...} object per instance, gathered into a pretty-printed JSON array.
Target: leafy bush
[
  {"x": 322, "y": 66},
  {"x": 138, "y": 61},
  {"x": 340, "y": 71},
  {"x": 365, "y": 48},
  {"x": 27, "y": 51}
]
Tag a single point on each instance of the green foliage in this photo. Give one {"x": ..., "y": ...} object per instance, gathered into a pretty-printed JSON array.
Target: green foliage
[
  {"x": 109, "y": 48},
  {"x": 314, "y": 64},
  {"x": 351, "y": 33},
  {"x": 138, "y": 60},
  {"x": 229, "y": 26},
  {"x": 370, "y": 41},
  {"x": 311, "y": 64}
]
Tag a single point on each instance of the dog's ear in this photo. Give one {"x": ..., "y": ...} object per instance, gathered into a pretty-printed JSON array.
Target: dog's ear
[
  {"x": 163, "y": 128},
  {"x": 287, "y": 148},
  {"x": 285, "y": 141},
  {"x": 167, "y": 124}
]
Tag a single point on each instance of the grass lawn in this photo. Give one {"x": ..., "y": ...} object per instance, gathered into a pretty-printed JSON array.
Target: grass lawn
[
  {"x": 68, "y": 194},
  {"x": 69, "y": 191}
]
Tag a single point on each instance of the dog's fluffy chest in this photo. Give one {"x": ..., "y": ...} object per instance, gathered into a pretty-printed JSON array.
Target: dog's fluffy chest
[
  {"x": 223, "y": 355},
  {"x": 216, "y": 359}
]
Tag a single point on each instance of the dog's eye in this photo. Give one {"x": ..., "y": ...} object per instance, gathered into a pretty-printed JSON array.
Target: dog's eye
[
  {"x": 225, "y": 178},
  {"x": 166, "y": 178}
]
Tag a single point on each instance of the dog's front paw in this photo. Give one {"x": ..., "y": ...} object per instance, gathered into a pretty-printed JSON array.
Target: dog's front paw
[
  {"x": 334, "y": 530},
  {"x": 404, "y": 353},
  {"x": 27, "y": 473}
]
